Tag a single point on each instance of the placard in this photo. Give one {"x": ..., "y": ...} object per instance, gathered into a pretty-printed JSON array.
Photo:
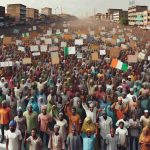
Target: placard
[
  {"x": 36, "y": 54},
  {"x": 21, "y": 48},
  {"x": 65, "y": 30},
  {"x": 55, "y": 58},
  {"x": 34, "y": 28},
  {"x": 43, "y": 48},
  {"x": 18, "y": 42},
  {"x": 63, "y": 44},
  {"x": 26, "y": 61},
  {"x": 94, "y": 56},
  {"x": 114, "y": 52},
  {"x": 34, "y": 48},
  {"x": 78, "y": 41},
  {"x": 49, "y": 32},
  {"x": 102, "y": 52},
  {"x": 7, "y": 40},
  {"x": 132, "y": 58},
  {"x": 79, "y": 55},
  {"x": 53, "y": 48},
  {"x": 48, "y": 41}
]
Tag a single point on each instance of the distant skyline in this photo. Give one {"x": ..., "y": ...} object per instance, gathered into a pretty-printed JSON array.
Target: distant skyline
[{"x": 80, "y": 8}]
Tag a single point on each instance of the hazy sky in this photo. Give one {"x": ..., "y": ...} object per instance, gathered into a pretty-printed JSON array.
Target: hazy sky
[{"x": 77, "y": 7}]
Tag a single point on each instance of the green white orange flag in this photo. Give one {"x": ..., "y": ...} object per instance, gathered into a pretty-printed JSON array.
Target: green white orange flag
[{"x": 115, "y": 63}]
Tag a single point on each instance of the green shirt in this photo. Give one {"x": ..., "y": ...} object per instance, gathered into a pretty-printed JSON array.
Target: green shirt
[{"x": 31, "y": 120}]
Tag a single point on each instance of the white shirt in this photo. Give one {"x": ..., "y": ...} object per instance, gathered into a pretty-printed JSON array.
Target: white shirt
[
  {"x": 13, "y": 138},
  {"x": 122, "y": 133},
  {"x": 105, "y": 126},
  {"x": 90, "y": 114}
]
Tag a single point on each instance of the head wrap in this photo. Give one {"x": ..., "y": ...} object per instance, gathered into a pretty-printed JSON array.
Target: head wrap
[{"x": 12, "y": 123}]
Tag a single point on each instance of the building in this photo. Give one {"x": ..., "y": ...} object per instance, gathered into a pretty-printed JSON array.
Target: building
[
  {"x": 18, "y": 11},
  {"x": 2, "y": 15},
  {"x": 111, "y": 12},
  {"x": 46, "y": 11},
  {"x": 32, "y": 14},
  {"x": 120, "y": 14},
  {"x": 139, "y": 18},
  {"x": 146, "y": 15},
  {"x": 133, "y": 12}
]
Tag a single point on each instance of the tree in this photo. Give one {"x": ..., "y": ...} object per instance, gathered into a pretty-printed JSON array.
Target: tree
[{"x": 124, "y": 21}]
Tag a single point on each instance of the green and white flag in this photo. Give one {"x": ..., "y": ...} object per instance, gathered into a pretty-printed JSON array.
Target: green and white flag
[
  {"x": 25, "y": 34},
  {"x": 69, "y": 51}
]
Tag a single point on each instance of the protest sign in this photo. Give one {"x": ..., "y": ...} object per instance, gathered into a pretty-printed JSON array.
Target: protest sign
[
  {"x": 36, "y": 54},
  {"x": 48, "y": 41},
  {"x": 65, "y": 30},
  {"x": 7, "y": 40},
  {"x": 114, "y": 52},
  {"x": 102, "y": 52},
  {"x": 55, "y": 58},
  {"x": 63, "y": 44},
  {"x": 94, "y": 56},
  {"x": 78, "y": 41},
  {"x": 79, "y": 55},
  {"x": 53, "y": 48},
  {"x": 34, "y": 48},
  {"x": 21, "y": 48},
  {"x": 132, "y": 58},
  {"x": 34, "y": 28},
  {"x": 18, "y": 42},
  {"x": 43, "y": 48},
  {"x": 26, "y": 61}
]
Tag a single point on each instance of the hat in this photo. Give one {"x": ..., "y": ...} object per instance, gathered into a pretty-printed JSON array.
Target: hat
[
  {"x": 119, "y": 98},
  {"x": 44, "y": 107},
  {"x": 61, "y": 113},
  {"x": 131, "y": 90},
  {"x": 145, "y": 111},
  {"x": 12, "y": 123},
  {"x": 19, "y": 109},
  {"x": 88, "y": 129},
  {"x": 56, "y": 126},
  {"x": 91, "y": 105},
  {"x": 129, "y": 77}
]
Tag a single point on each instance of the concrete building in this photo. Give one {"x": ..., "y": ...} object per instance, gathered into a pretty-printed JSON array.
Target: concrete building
[
  {"x": 111, "y": 12},
  {"x": 133, "y": 12},
  {"x": 120, "y": 14},
  {"x": 32, "y": 14},
  {"x": 46, "y": 11},
  {"x": 18, "y": 11},
  {"x": 139, "y": 18},
  {"x": 2, "y": 15},
  {"x": 146, "y": 15}
]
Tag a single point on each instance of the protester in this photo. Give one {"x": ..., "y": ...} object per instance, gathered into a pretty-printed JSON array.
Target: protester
[
  {"x": 13, "y": 137},
  {"x": 35, "y": 142}
]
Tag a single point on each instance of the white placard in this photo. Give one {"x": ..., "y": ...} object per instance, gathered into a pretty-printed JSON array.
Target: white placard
[
  {"x": 53, "y": 48},
  {"x": 72, "y": 50},
  {"x": 38, "y": 42},
  {"x": 21, "y": 48},
  {"x": 34, "y": 28},
  {"x": 63, "y": 44},
  {"x": 78, "y": 41},
  {"x": 36, "y": 54},
  {"x": 49, "y": 32},
  {"x": 42, "y": 38},
  {"x": 149, "y": 58},
  {"x": 102, "y": 52},
  {"x": 58, "y": 31},
  {"x": 48, "y": 41},
  {"x": 91, "y": 32},
  {"x": 65, "y": 30},
  {"x": 43, "y": 48},
  {"x": 34, "y": 48},
  {"x": 18, "y": 42},
  {"x": 56, "y": 40}
]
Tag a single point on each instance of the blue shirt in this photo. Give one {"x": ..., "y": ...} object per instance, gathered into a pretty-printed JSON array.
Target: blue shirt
[{"x": 88, "y": 142}]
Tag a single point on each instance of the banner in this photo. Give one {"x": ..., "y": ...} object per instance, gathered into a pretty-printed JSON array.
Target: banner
[
  {"x": 34, "y": 48},
  {"x": 26, "y": 61},
  {"x": 94, "y": 56}
]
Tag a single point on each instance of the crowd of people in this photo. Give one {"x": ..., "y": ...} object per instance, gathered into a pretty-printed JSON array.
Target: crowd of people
[{"x": 78, "y": 104}]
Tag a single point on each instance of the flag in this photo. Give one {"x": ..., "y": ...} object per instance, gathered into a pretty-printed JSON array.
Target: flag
[
  {"x": 69, "y": 51},
  {"x": 115, "y": 63},
  {"x": 25, "y": 34}
]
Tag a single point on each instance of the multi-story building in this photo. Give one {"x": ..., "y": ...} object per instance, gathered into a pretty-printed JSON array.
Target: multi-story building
[
  {"x": 46, "y": 11},
  {"x": 133, "y": 12},
  {"x": 120, "y": 14},
  {"x": 32, "y": 14},
  {"x": 111, "y": 12},
  {"x": 146, "y": 18},
  {"x": 139, "y": 18},
  {"x": 18, "y": 11},
  {"x": 2, "y": 15}
]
